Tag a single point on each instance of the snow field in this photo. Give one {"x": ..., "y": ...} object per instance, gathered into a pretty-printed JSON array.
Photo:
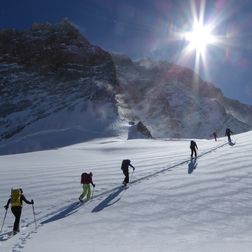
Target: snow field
[{"x": 173, "y": 203}]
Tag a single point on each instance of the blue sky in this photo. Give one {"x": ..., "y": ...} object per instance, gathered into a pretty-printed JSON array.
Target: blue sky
[{"x": 146, "y": 28}]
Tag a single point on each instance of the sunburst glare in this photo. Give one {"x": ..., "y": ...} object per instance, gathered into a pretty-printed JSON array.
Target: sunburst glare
[{"x": 200, "y": 37}]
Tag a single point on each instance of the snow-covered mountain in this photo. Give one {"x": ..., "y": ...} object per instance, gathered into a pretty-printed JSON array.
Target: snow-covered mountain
[
  {"x": 59, "y": 89},
  {"x": 53, "y": 83},
  {"x": 173, "y": 101},
  {"x": 172, "y": 204}
]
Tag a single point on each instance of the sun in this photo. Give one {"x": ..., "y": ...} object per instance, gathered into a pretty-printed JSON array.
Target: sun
[{"x": 200, "y": 37}]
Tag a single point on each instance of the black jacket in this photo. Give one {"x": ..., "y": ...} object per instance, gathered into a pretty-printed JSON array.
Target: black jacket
[
  {"x": 193, "y": 145},
  {"x": 228, "y": 132}
]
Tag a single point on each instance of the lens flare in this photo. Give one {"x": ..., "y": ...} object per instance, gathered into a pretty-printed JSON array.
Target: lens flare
[{"x": 200, "y": 37}]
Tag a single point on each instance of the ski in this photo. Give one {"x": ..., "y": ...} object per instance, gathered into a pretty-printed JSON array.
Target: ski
[
  {"x": 82, "y": 201},
  {"x": 6, "y": 236},
  {"x": 125, "y": 186}
]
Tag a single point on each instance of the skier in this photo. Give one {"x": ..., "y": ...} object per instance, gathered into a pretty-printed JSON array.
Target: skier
[
  {"x": 125, "y": 168},
  {"x": 86, "y": 180},
  {"x": 215, "y": 136},
  {"x": 228, "y": 134},
  {"x": 16, "y": 201},
  {"x": 193, "y": 147}
]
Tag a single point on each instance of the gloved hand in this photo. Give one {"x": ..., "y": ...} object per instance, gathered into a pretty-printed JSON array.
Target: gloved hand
[
  {"x": 93, "y": 185},
  {"x": 32, "y": 201},
  {"x": 134, "y": 168},
  {"x": 6, "y": 207}
]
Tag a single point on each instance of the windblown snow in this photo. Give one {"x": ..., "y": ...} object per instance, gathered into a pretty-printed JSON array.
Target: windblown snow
[{"x": 172, "y": 204}]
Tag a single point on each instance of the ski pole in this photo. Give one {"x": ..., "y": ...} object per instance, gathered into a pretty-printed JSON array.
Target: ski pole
[
  {"x": 132, "y": 175},
  {"x": 4, "y": 220},
  {"x": 93, "y": 193},
  {"x": 34, "y": 216}
]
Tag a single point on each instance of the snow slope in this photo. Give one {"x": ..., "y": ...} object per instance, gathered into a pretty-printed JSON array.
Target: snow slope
[
  {"x": 172, "y": 204},
  {"x": 81, "y": 122}
]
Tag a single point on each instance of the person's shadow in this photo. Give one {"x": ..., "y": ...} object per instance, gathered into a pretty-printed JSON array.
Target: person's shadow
[
  {"x": 107, "y": 202},
  {"x": 65, "y": 212},
  {"x": 192, "y": 165},
  {"x": 231, "y": 143}
]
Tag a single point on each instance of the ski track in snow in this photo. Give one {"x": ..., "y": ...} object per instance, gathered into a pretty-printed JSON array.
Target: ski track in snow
[{"x": 198, "y": 202}]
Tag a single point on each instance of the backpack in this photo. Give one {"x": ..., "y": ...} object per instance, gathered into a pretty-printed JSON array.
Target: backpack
[
  {"x": 84, "y": 177},
  {"x": 193, "y": 144},
  {"x": 15, "y": 197},
  {"x": 125, "y": 164}
]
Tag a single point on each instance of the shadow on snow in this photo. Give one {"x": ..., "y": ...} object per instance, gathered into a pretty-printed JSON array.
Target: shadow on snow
[
  {"x": 231, "y": 143},
  {"x": 73, "y": 208},
  {"x": 108, "y": 201},
  {"x": 192, "y": 165},
  {"x": 65, "y": 212}
]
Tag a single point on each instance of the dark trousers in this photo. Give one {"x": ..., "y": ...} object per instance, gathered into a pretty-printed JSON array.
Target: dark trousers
[
  {"x": 229, "y": 138},
  {"x": 193, "y": 150},
  {"x": 17, "y": 210},
  {"x": 126, "y": 174}
]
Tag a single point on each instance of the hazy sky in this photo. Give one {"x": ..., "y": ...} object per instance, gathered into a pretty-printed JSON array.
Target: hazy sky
[{"x": 148, "y": 28}]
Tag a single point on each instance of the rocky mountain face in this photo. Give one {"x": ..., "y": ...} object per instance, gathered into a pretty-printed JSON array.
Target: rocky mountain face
[
  {"x": 58, "y": 89},
  {"x": 173, "y": 101},
  {"x": 50, "y": 68}
]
